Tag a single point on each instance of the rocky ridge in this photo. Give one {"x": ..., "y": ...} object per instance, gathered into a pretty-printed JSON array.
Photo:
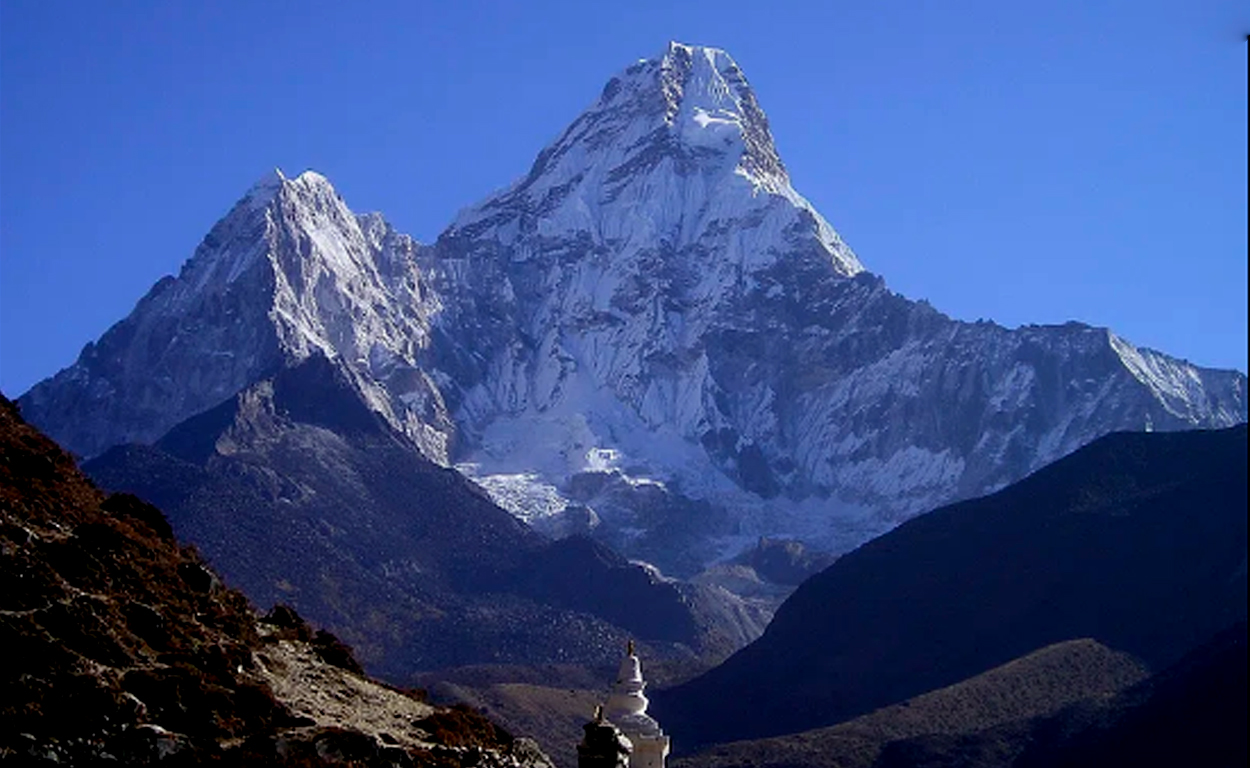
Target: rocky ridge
[{"x": 289, "y": 272}]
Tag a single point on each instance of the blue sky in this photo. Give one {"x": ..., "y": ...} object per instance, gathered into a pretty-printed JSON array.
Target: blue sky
[{"x": 1026, "y": 162}]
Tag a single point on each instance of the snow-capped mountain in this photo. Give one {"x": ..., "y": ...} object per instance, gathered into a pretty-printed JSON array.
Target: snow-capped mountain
[
  {"x": 661, "y": 305},
  {"x": 652, "y": 332},
  {"x": 287, "y": 272}
]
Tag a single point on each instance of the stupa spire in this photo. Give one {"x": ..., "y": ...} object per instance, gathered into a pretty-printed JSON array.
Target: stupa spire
[{"x": 627, "y": 708}]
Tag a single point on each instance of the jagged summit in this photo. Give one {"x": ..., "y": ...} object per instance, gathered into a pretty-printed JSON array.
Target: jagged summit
[
  {"x": 289, "y": 272},
  {"x": 710, "y": 104},
  {"x": 273, "y": 183},
  {"x": 701, "y": 96},
  {"x": 275, "y": 207},
  {"x": 267, "y": 185},
  {"x": 676, "y": 149}
]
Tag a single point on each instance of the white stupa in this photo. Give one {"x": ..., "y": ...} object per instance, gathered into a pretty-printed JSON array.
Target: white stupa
[{"x": 627, "y": 709}]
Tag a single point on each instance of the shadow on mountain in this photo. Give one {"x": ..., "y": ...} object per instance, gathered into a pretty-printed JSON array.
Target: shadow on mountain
[
  {"x": 1076, "y": 703},
  {"x": 299, "y": 494},
  {"x": 1037, "y": 685},
  {"x": 1137, "y": 541},
  {"x": 1193, "y": 713}
]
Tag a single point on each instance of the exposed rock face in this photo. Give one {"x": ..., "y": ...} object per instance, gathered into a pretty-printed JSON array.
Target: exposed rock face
[
  {"x": 652, "y": 327},
  {"x": 128, "y": 650},
  {"x": 1137, "y": 541},
  {"x": 782, "y": 561}
]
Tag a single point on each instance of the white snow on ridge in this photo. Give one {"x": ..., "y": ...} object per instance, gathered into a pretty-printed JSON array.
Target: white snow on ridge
[
  {"x": 612, "y": 177},
  {"x": 1174, "y": 383},
  {"x": 653, "y": 304},
  {"x": 649, "y": 224}
]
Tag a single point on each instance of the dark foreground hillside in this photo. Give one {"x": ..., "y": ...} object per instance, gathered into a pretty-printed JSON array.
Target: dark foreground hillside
[
  {"x": 1193, "y": 713},
  {"x": 123, "y": 648},
  {"x": 1036, "y": 686},
  {"x": 1076, "y": 704},
  {"x": 1137, "y": 541}
]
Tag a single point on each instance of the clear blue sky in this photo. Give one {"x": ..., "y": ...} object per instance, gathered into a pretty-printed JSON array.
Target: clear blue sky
[{"x": 1017, "y": 161}]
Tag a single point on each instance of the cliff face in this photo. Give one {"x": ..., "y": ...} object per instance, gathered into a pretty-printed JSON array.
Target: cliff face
[{"x": 129, "y": 649}]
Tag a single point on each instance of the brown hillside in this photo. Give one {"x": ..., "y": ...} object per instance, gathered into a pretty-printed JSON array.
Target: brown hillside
[{"x": 124, "y": 647}]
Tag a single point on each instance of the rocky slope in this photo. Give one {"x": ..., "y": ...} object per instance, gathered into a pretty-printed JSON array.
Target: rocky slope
[
  {"x": 128, "y": 649},
  {"x": 300, "y": 494},
  {"x": 1137, "y": 541},
  {"x": 651, "y": 336}
]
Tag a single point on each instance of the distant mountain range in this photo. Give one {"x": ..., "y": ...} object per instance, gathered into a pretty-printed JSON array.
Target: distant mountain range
[
  {"x": 651, "y": 339},
  {"x": 1137, "y": 541}
]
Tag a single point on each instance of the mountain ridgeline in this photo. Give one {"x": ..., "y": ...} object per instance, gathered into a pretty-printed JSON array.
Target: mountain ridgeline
[
  {"x": 300, "y": 494},
  {"x": 651, "y": 338}
]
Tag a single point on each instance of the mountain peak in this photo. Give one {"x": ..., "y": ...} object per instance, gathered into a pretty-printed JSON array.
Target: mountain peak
[
  {"x": 690, "y": 107},
  {"x": 310, "y": 179},
  {"x": 700, "y": 98},
  {"x": 697, "y": 77},
  {"x": 288, "y": 272},
  {"x": 268, "y": 187},
  {"x": 270, "y": 180},
  {"x": 711, "y": 104},
  {"x": 676, "y": 150}
]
